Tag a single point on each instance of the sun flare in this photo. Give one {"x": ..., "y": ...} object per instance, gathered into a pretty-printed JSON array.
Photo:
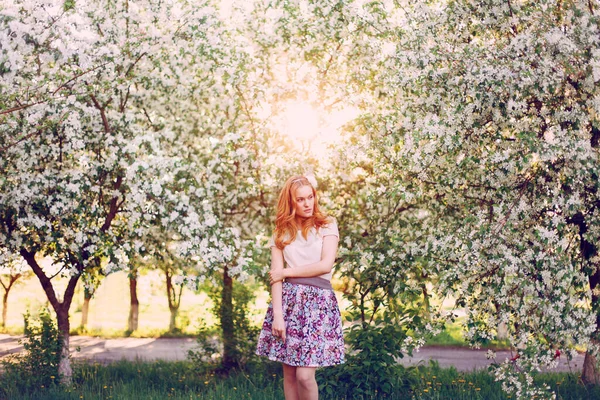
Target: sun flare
[
  {"x": 300, "y": 121},
  {"x": 312, "y": 129}
]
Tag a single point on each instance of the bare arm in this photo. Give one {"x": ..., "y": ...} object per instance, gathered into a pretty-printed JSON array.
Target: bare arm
[
  {"x": 278, "y": 328},
  {"x": 324, "y": 266}
]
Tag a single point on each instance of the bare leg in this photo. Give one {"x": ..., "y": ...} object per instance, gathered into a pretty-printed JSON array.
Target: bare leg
[
  {"x": 290, "y": 384},
  {"x": 307, "y": 384}
]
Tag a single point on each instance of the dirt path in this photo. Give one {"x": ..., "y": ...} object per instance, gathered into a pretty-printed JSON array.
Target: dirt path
[{"x": 108, "y": 350}]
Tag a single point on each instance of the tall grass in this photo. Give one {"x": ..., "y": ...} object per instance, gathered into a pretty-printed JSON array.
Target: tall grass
[
  {"x": 157, "y": 380},
  {"x": 263, "y": 381}
]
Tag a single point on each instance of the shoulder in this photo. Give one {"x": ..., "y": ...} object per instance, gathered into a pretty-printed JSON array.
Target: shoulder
[{"x": 330, "y": 228}]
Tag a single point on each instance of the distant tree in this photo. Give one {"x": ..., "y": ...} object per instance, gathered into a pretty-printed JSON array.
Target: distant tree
[
  {"x": 90, "y": 282},
  {"x": 12, "y": 269},
  {"x": 134, "y": 304}
]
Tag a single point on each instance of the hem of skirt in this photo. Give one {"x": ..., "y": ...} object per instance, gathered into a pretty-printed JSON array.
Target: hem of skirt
[{"x": 303, "y": 365}]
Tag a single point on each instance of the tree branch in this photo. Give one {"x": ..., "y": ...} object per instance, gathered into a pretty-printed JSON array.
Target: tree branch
[
  {"x": 44, "y": 280},
  {"x": 114, "y": 205}
]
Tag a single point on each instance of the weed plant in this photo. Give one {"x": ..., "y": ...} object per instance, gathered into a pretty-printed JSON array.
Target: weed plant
[
  {"x": 371, "y": 373},
  {"x": 263, "y": 381},
  {"x": 37, "y": 367}
]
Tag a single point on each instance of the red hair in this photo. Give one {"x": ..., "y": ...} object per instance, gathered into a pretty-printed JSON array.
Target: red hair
[{"x": 285, "y": 222}]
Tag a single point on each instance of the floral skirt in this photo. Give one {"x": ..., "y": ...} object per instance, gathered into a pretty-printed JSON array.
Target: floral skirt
[{"x": 314, "y": 336}]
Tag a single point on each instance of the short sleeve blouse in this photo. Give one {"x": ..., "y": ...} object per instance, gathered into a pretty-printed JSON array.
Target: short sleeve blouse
[{"x": 308, "y": 251}]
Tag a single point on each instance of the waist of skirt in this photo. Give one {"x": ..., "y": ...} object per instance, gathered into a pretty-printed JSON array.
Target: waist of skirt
[{"x": 316, "y": 281}]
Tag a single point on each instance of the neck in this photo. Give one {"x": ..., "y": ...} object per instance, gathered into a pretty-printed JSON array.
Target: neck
[{"x": 299, "y": 221}]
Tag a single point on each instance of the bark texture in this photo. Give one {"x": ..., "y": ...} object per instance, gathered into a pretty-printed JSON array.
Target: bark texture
[
  {"x": 134, "y": 304},
  {"x": 227, "y": 325},
  {"x": 85, "y": 308},
  {"x": 61, "y": 308}
]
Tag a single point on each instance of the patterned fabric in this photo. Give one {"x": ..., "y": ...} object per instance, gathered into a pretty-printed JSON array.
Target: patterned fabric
[{"x": 314, "y": 336}]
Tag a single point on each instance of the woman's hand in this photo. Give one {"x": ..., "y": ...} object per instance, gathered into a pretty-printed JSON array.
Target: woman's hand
[
  {"x": 278, "y": 328},
  {"x": 276, "y": 275}
]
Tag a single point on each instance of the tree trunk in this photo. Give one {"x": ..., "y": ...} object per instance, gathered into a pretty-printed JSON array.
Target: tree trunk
[
  {"x": 590, "y": 371},
  {"x": 502, "y": 331},
  {"x": 134, "y": 304},
  {"x": 173, "y": 318},
  {"x": 11, "y": 281},
  {"x": 229, "y": 346},
  {"x": 174, "y": 299},
  {"x": 64, "y": 366},
  {"x": 4, "y": 308},
  {"x": 590, "y": 375},
  {"x": 426, "y": 302},
  {"x": 170, "y": 297},
  {"x": 87, "y": 296},
  {"x": 62, "y": 312}
]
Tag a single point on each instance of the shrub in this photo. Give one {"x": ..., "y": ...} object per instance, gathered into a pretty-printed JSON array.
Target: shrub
[
  {"x": 245, "y": 334},
  {"x": 371, "y": 366},
  {"x": 37, "y": 366}
]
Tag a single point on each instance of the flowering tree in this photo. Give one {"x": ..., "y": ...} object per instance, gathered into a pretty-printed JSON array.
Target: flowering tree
[
  {"x": 11, "y": 270},
  {"x": 488, "y": 126},
  {"x": 90, "y": 157},
  {"x": 473, "y": 165}
]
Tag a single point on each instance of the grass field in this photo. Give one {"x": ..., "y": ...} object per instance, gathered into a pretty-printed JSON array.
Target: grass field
[{"x": 183, "y": 381}]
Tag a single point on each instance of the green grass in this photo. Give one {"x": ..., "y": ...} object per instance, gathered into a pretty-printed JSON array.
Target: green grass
[
  {"x": 452, "y": 336},
  {"x": 181, "y": 380},
  {"x": 447, "y": 383},
  {"x": 158, "y": 380}
]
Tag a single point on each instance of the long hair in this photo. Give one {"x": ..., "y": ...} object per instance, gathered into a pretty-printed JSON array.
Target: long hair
[{"x": 285, "y": 224}]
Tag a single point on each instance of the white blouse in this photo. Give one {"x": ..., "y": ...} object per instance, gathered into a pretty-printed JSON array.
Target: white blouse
[{"x": 308, "y": 251}]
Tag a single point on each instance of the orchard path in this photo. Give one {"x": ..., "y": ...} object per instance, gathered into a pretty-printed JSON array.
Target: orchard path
[{"x": 109, "y": 350}]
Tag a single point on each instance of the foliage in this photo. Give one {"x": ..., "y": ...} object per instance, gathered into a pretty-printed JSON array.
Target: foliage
[
  {"x": 490, "y": 134},
  {"x": 37, "y": 367},
  {"x": 93, "y": 161},
  {"x": 245, "y": 334},
  {"x": 181, "y": 380},
  {"x": 471, "y": 171},
  {"x": 372, "y": 364}
]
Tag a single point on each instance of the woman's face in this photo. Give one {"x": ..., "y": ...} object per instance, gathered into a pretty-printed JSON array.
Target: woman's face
[{"x": 304, "y": 201}]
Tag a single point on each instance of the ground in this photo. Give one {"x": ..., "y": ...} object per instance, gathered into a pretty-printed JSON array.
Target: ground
[{"x": 173, "y": 349}]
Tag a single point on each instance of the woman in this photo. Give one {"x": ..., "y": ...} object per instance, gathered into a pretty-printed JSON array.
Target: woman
[{"x": 303, "y": 327}]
